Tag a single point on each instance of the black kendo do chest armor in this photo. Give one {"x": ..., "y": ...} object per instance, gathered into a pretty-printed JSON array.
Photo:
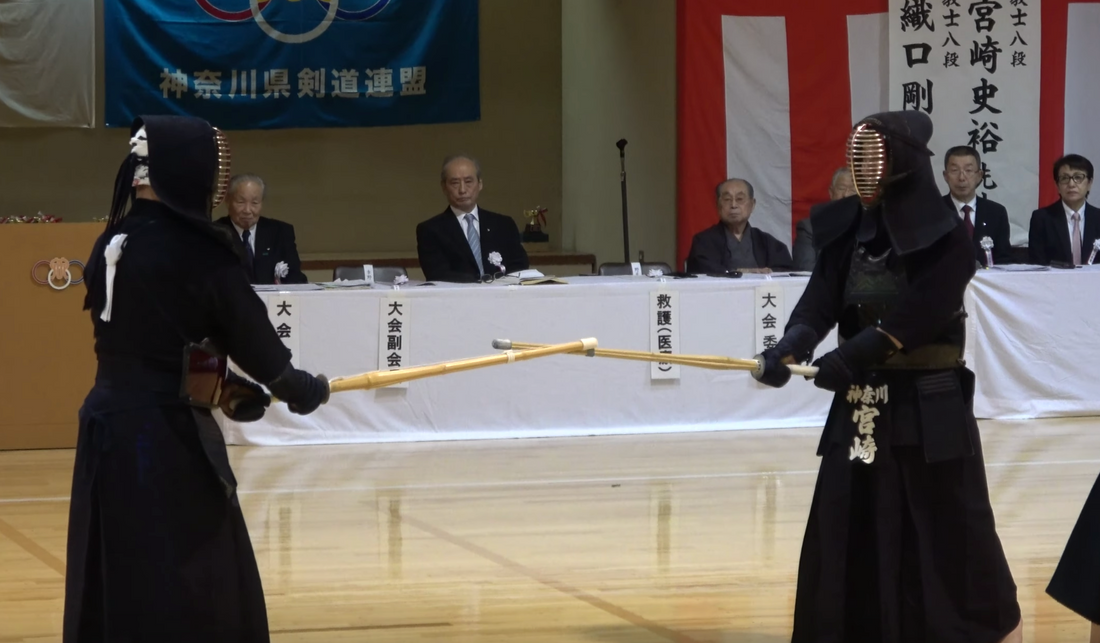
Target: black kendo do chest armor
[{"x": 874, "y": 286}]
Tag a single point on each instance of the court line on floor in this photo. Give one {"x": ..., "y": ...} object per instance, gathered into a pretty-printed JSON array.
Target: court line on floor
[
  {"x": 364, "y": 628},
  {"x": 559, "y": 482},
  {"x": 620, "y": 612},
  {"x": 476, "y": 485},
  {"x": 32, "y": 548}
]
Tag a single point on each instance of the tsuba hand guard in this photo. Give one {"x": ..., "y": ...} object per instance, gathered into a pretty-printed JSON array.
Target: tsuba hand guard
[{"x": 204, "y": 373}]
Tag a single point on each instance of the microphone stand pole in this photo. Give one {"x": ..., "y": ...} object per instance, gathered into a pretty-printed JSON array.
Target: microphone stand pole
[{"x": 622, "y": 180}]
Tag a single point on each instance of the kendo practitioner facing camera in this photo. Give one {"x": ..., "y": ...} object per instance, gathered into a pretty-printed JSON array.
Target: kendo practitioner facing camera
[
  {"x": 900, "y": 545},
  {"x": 158, "y": 549}
]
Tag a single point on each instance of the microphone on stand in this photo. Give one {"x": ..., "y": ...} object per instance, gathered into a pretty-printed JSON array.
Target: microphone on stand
[{"x": 622, "y": 180}]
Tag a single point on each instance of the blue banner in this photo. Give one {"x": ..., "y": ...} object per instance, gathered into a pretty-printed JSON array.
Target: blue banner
[{"x": 257, "y": 64}]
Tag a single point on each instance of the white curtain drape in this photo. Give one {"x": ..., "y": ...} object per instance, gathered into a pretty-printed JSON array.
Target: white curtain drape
[{"x": 47, "y": 63}]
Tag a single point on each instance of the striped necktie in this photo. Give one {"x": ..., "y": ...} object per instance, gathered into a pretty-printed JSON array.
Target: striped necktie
[{"x": 475, "y": 241}]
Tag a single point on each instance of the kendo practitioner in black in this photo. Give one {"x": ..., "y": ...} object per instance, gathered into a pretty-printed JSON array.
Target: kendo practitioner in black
[
  {"x": 901, "y": 544},
  {"x": 158, "y": 549}
]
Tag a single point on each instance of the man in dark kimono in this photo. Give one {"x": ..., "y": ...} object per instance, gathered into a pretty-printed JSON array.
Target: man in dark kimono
[
  {"x": 901, "y": 543},
  {"x": 158, "y": 549}
]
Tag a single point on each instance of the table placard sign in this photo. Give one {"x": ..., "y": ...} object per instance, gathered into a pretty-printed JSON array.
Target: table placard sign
[
  {"x": 664, "y": 335},
  {"x": 285, "y": 317},
  {"x": 770, "y": 314},
  {"x": 368, "y": 273},
  {"x": 394, "y": 319},
  {"x": 635, "y": 269}
]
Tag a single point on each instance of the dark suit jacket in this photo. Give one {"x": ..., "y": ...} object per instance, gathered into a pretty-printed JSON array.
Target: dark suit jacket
[
  {"x": 805, "y": 256},
  {"x": 710, "y": 253},
  {"x": 274, "y": 243},
  {"x": 445, "y": 253},
  {"x": 1048, "y": 239},
  {"x": 990, "y": 220}
]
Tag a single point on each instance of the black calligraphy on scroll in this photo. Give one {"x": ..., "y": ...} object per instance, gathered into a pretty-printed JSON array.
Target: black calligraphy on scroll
[
  {"x": 986, "y": 54},
  {"x": 970, "y": 75},
  {"x": 917, "y": 54},
  {"x": 917, "y": 97},
  {"x": 983, "y": 93},
  {"x": 982, "y": 11},
  {"x": 917, "y": 15},
  {"x": 984, "y": 137},
  {"x": 987, "y": 178}
]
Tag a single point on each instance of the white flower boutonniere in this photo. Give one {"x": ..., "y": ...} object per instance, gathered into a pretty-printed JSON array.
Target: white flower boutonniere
[{"x": 496, "y": 259}]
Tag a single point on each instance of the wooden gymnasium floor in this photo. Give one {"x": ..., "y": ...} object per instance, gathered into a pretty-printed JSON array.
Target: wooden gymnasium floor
[{"x": 690, "y": 537}]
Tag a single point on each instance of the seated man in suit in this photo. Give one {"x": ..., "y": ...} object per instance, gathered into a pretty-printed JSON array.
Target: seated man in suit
[
  {"x": 455, "y": 245},
  {"x": 732, "y": 244},
  {"x": 268, "y": 245},
  {"x": 805, "y": 256},
  {"x": 962, "y": 171},
  {"x": 1065, "y": 230}
]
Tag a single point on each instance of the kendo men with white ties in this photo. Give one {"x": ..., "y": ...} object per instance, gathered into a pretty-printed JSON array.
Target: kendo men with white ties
[
  {"x": 158, "y": 549},
  {"x": 901, "y": 544}
]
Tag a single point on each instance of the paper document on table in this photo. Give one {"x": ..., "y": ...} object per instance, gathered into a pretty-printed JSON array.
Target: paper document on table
[
  {"x": 530, "y": 281},
  {"x": 285, "y": 287},
  {"x": 1020, "y": 267},
  {"x": 347, "y": 283}
]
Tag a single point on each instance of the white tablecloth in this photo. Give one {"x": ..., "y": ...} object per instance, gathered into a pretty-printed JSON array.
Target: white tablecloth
[
  {"x": 1032, "y": 338},
  {"x": 564, "y": 395},
  {"x": 1033, "y": 341}
]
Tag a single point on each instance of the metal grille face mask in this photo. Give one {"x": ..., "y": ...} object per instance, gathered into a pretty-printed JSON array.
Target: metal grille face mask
[
  {"x": 221, "y": 180},
  {"x": 869, "y": 161}
]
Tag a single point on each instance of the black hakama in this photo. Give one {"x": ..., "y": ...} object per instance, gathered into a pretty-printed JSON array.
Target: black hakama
[
  {"x": 1076, "y": 580},
  {"x": 159, "y": 552},
  {"x": 901, "y": 549},
  {"x": 901, "y": 543},
  {"x": 158, "y": 549}
]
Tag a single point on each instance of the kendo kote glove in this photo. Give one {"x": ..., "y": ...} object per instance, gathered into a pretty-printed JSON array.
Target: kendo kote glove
[
  {"x": 242, "y": 400},
  {"x": 798, "y": 343},
  {"x": 840, "y": 368},
  {"x": 302, "y": 392}
]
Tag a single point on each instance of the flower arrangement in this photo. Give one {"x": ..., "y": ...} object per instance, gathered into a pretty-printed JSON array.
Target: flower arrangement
[{"x": 38, "y": 218}]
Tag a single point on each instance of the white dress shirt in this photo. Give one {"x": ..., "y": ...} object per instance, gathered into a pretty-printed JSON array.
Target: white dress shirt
[
  {"x": 251, "y": 237},
  {"x": 973, "y": 203},
  {"x": 1069, "y": 219},
  {"x": 462, "y": 219}
]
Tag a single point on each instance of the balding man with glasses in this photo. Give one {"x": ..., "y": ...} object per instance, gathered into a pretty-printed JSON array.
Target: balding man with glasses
[{"x": 1065, "y": 231}]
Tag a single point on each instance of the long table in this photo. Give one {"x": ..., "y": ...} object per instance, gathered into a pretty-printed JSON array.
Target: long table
[{"x": 1031, "y": 339}]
